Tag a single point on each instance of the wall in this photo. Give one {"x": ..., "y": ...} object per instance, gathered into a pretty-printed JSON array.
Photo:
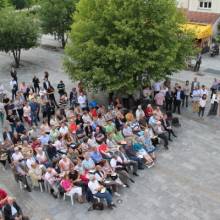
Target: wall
[
  {"x": 182, "y": 3},
  {"x": 193, "y": 5}
]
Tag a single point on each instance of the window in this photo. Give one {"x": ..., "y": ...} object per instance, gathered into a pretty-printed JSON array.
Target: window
[{"x": 205, "y": 4}]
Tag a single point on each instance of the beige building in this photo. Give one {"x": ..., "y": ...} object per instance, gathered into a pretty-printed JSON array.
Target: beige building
[
  {"x": 202, "y": 11},
  {"x": 203, "y": 18},
  {"x": 207, "y": 6}
]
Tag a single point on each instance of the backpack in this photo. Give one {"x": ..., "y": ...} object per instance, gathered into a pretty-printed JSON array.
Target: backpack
[
  {"x": 175, "y": 122},
  {"x": 96, "y": 206}
]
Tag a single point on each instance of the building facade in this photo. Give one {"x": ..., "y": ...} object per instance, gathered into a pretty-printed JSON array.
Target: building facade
[
  {"x": 206, "y": 6},
  {"x": 203, "y": 18}
]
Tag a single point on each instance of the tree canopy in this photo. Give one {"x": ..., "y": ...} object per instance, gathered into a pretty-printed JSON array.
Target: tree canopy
[
  {"x": 56, "y": 17},
  {"x": 18, "y": 30},
  {"x": 116, "y": 45}
]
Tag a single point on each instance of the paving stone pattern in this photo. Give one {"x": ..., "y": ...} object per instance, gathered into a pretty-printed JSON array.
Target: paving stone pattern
[{"x": 183, "y": 185}]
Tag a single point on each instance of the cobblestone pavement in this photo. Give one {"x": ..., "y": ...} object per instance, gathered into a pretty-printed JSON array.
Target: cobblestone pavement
[{"x": 184, "y": 184}]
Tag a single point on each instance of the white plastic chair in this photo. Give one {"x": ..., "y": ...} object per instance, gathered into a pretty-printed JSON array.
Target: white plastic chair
[{"x": 70, "y": 195}]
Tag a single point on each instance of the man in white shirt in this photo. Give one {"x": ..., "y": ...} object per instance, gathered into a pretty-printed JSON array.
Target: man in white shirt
[
  {"x": 100, "y": 191},
  {"x": 156, "y": 87},
  {"x": 63, "y": 129},
  {"x": 30, "y": 160},
  {"x": 82, "y": 100},
  {"x": 14, "y": 88},
  {"x": 86, "y": 118},
  {"x": 139, "y": 113},
  {"x": 204, "y": 91},
  {"x": 17, "y": 155}
]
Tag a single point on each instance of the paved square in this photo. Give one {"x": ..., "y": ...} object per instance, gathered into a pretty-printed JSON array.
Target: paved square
[{"x": 184, "y": 184}]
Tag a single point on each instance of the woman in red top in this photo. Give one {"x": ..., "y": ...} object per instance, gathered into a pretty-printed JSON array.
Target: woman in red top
[
  {"x": 93, "y": 113},
  {"x": 104, "y": 150},
  {"x": 72, "y": 126},
  {"x": 149, "y": 111},
  {"x": 3, "y": 197}
]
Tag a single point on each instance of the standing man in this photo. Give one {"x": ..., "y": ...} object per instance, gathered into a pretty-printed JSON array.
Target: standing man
[
  {"x": 186, "y": 90},
  {"x": 156, "y": 87},
  {"x": 14, "y": 74},
  {"x": 198, "y": 62},
  {"x": 14, "y": 88},
  {"x": 195, "y": 84},
  {"x": 34, "y": 111},
  {"x": 178, "y": 96},
  {"x": 196, "y": 95},
  {"x": 169, "y": 99},
  {"x": 61, "y": 88},
  {"x": 73, "y": 98},
  {"x": 36, "y": 83}
]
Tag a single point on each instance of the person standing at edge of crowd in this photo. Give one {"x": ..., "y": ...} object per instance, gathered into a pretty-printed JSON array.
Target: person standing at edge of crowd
[
  {"x": 156, "y": 87},
  {"x": 178, "y": 96},
  {"x": 194, "y": 84},
  {"x": 36, "y": 83},
  {"x": 214, "y": 86},
  {"x": 14, "y": 74},
  {"x": 214, "y": 104},
  {"x": 61, "y": 88},
  {"x": 186, "y": 90},
  {"x": 169, "y": 99},
  {"x": 202, "y": 104},
  {"x": 196, "y": 94},
  {"x": 14, "y": 88},
  {"x": 73, "y": 98}
]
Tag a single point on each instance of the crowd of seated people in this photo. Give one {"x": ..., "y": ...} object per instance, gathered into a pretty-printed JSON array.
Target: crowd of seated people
[{"x": 87, "y": 151}]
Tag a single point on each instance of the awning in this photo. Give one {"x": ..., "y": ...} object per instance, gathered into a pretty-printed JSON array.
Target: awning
[{"x": 201, "y": 31}]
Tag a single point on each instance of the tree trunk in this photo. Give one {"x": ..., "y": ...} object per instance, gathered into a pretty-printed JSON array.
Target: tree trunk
[{"x": 17, "y": 57}]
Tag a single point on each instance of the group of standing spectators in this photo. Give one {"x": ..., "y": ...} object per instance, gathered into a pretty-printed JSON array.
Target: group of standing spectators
[{"x": 180, "y": 96}]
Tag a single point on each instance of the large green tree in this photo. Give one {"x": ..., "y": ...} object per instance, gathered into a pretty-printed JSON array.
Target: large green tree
[
  {"x": 18, "y": 30},
  {"x": 56, "y": 17},
  {"x": 116, "y": 45}
]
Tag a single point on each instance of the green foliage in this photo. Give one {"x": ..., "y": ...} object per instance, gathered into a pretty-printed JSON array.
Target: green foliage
[
  {"x": 56, "y": 17},
  {"x": 117, "y": 45},
  {"x": 4, "y": 3},
  {"x": 20, "y": 4},
  {"x": 18, "y": 30}
]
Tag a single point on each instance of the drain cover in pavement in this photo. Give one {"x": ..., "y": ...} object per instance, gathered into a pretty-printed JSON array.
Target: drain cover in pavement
[{"x": 209, "y": 70}]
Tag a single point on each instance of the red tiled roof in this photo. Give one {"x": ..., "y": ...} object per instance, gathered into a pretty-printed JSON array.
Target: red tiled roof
[{"x": 202, "y": 17}]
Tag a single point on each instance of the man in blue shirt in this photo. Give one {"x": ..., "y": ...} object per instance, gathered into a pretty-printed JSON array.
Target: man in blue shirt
[
  {"x": 88, "y": 163},
  {"x": 44, "y": 139},
  {"x": 96, "y": 156},
  {"x": 34, "y": 111}
]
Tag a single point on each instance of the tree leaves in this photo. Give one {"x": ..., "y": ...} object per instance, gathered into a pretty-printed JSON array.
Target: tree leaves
[
  {"x": 112, "y": 43},
  {"x": 18, "y": 30},
  {"x": 56, "y": 17}
]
